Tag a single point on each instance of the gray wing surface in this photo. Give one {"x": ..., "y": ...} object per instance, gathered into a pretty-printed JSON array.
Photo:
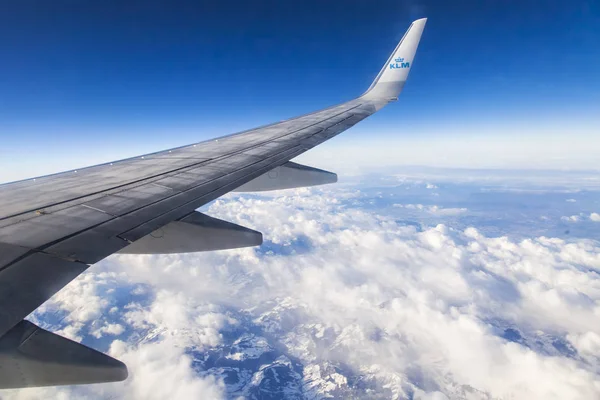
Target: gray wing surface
[{"x": 53, "y": 228}]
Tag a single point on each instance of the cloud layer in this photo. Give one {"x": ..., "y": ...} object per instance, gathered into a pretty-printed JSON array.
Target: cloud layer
[{"x": 346, "y": 302}]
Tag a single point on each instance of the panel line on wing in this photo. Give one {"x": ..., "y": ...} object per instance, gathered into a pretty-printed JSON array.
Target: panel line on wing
[
  {"x": 159, "y": 176},
  {"x": 273, "y": 161}
]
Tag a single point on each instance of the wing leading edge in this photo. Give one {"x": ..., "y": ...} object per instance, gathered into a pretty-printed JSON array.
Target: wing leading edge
[{"x": 54, "y": 227}]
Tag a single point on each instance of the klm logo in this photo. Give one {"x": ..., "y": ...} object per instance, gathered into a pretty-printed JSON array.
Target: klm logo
[{"x": 399, "y": 63}]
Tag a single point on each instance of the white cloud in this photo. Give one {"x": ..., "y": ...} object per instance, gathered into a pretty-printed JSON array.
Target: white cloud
[
  {"x": 387, "y": 301},
  {"x": 595, "y": 217},
  {"x": 108, "y": 329},
  {"x": 572, "y": 218},
  {"x": 182, "y": 316},
  {"x": 437, "y": 210},
  {"x": 587, "y": 344},
  {"x": 160, "y": 370},
  {"x": 446, "y": 211}
]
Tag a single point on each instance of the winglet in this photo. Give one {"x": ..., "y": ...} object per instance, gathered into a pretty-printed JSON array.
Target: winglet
[{"x": 389, "y": 82}]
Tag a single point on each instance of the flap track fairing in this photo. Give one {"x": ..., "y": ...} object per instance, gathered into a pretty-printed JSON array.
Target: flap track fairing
[
  {"x": 31, "y": 356},
  {"x": 194, "y": 233},
  {"x": 288, "y": 176}
]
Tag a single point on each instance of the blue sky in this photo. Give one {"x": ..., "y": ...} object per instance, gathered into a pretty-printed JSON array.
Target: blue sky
[{"x": 90, "y": 81}]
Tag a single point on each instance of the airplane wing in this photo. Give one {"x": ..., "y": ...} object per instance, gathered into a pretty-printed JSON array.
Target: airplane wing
[{"x": 52, "y": 228}]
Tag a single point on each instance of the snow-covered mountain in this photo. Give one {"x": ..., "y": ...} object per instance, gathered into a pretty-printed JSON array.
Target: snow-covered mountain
[{"x": 390, "y": 288}]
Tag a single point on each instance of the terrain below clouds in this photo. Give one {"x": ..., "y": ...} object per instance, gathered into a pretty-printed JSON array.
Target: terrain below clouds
[{"x": 394, "y": 288}]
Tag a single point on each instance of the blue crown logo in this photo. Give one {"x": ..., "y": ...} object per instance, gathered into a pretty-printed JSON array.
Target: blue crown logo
[{"x": 400, "y": 59}]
